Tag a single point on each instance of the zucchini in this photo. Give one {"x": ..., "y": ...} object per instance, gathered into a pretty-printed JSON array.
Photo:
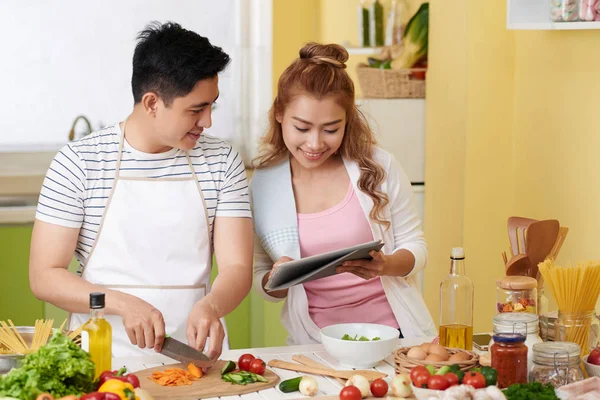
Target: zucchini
[
  {"x": 228, "y": 367},
  {"x": 291, "y": 385}
]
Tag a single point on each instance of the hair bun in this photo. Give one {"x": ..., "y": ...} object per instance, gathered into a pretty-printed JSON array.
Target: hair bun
[{"x": 329, "y": 54}]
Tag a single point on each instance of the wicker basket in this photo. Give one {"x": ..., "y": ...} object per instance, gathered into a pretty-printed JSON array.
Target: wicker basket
[
  {"x": 390, "y": 83},
  {"x": 405, "y": 364}
]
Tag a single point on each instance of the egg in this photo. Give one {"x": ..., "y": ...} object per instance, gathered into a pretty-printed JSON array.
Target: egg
[
  {"x": 425, "y": 347},
  {"x": 434, "y": 358},
  {"x": 416, "y": 353},
  {"x": 459, "y": 357},
  {"x": 439, "y": 350}
]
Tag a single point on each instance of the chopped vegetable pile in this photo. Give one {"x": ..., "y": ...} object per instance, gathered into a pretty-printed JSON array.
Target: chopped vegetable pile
[{"x": 60, "y": 368}]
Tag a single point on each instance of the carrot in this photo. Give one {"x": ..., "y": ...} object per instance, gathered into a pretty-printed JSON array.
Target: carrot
[
  {"x": 195, "y": 371},
  {"x": 173, "y": 377}
]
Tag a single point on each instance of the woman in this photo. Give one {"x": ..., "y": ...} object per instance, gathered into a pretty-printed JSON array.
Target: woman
[{"x": 322, "y": 185}]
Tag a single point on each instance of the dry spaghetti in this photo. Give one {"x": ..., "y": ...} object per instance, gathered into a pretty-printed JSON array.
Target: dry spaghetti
[
  {"x": 13, "y": 342},
  {"x": 576, "y": 290}
]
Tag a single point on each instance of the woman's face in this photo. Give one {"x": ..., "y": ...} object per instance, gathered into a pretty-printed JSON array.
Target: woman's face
[{"x": 313, "y": 129}]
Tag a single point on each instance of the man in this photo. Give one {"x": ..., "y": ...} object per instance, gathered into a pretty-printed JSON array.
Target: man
[{"x": 144, "y": 202}]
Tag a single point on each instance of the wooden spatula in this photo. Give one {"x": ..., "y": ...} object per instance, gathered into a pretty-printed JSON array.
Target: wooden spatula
[
  {"x": 517, "y": 226},
  {"x": 369, "y": 374},
  {"x": 562, "y": 234},
  {"x": 540, "y": 239},
  {"x": 312, "y": 363}
]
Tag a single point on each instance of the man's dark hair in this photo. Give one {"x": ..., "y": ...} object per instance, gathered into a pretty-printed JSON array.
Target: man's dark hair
[{"x": 170, "y": 60}]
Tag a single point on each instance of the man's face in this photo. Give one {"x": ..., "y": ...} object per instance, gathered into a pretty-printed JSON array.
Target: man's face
[{"x": 180, "y": 124}]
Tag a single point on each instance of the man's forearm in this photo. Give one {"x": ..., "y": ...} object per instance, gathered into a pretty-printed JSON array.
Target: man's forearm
[
  {"x": 70, "y": 292},
  {"x": 230, "y": 288}
]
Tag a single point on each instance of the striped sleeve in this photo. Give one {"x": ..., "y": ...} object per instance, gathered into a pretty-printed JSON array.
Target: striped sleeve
[
  {"x": 233, "y": 200},
  {"x": 61, "y": 197}
]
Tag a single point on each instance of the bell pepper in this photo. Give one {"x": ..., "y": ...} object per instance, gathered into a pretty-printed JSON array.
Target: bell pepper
[
  {"x": 119, "y": 375},
  {"x": 490, "y": 375},
  {"x": 100, "y": 396},
  {"x": 124, "y": 390}
]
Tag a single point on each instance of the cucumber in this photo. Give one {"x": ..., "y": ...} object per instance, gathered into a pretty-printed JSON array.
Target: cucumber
[
  {"x": 228, "y": 367},
  {"x": 291, "y": 385}
]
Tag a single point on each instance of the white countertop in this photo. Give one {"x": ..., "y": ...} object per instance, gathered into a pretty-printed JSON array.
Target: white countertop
[{"x": 327, "y": 386}]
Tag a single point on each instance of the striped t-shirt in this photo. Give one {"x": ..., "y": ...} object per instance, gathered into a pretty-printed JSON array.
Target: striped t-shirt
[{"x": 78, "y": 183}]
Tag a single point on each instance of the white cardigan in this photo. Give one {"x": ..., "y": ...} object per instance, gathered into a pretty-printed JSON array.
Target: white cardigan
[{"x": 276, "y": 227}]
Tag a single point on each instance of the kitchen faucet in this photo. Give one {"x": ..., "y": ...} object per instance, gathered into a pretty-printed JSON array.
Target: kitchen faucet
[{"x": 72, "y": 131}]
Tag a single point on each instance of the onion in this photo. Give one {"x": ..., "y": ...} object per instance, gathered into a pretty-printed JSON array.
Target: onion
[
  {"x": 361, "y": 383},
  {"x": 401, "y": 386},
  {"x": 308, "y": 386},
  {"x": 142, "y": 394}
]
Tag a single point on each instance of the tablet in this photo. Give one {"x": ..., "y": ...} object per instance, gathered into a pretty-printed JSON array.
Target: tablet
[{"x": 308, "y": 269}]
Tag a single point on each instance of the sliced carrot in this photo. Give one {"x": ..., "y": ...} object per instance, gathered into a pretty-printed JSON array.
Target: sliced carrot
[
  {"x": 174, "y": 377},
  {"x": 195, "y": 371}
]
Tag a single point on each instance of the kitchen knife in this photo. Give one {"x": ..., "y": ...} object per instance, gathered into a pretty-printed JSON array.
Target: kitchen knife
[{"x": 179, "y": 351}]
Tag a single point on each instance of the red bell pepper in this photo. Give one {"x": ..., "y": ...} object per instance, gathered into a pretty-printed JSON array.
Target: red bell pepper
[
  {"x": 119, "y": 375},
  {"x": 100, "y": 396}
]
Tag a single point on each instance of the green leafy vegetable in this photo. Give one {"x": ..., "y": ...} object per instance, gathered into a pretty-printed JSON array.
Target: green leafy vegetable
[
  {"x": 530, "y": 391},
  {"x": 355, "y": 338},
  {"x": 60, "y": 368}
]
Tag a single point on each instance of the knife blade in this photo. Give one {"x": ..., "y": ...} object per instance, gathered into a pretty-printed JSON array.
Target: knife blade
[{"x": 179, "y": 351}]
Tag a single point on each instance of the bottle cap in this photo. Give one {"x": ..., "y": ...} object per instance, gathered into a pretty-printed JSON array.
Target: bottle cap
[
  {"x": 97, "y": 300},
  {"x": 458, "y": 253},
  {"x": 509, "y": 338}
]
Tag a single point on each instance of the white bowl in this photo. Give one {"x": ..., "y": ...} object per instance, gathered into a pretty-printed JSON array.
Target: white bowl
[
  {"x": 592, "y": 370},
  {"x": 357, "y": 354}
]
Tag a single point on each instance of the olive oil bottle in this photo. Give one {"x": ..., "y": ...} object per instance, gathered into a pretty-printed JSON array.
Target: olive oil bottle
[
  {"x": 456, "y": 305},
  {"x": 96, "y": 337}
]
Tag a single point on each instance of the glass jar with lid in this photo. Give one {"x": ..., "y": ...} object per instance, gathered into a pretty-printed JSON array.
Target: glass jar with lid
[
  {"x": 509, "y": 359},
  {"x": 516, "y": 294},
  {"x": 524, "y": 323},
  {"x": 557, "y": 363}
]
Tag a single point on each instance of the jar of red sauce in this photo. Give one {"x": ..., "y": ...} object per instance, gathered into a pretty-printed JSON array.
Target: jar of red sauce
[{"x": 509, "y": 358}]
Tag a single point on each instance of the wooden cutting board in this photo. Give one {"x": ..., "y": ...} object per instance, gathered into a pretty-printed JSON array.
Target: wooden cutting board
[{"x": 210, "y": 385}]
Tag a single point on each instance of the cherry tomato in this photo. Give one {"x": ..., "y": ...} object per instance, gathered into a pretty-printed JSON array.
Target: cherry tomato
[
  {"x": 475, "y": 379},
  {"x": 257, "y": 366},
  {"x": 379, "y": 387},
  {"x": 244, "y": 361},
  {"x": 451, "y": 378},
  {"x": 350, "y": 393},
  {"x": 416, "y": 371},
  {"x": 437, "y": 382},
  {"x": 421, "y": 381}
]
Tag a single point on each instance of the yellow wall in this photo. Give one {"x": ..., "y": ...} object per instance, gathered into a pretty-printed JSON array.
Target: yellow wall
[
  {"x": 557, "y": 134},
  {"x": 512, "y": 129}
]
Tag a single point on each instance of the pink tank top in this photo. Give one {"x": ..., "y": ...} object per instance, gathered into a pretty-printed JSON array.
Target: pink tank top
[{"x": 343, "y": 297}]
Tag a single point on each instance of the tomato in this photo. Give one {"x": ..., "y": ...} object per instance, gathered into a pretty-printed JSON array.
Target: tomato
[
  {"x": 416, "y": 371},
  {"x": 451, "y": 378},
  {"x": 379, "y": 387},
  {"x": 421, "y": 381},
  {"x": 257, "y": 366},
  {"x": 437, "y": 382},
  {"x": 350, "y": 393},
  {"x": 244, "y": 361},
  {"x": 475, "y": 379}
]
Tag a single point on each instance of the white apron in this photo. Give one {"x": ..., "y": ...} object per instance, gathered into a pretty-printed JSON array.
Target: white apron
[{"x": 153, "y": 243}]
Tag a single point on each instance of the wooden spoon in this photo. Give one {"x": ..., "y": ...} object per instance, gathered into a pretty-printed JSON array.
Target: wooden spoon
[
  {"x": 519, "y": 265},
  {"x": 312, "y": 363},
  {"x": 369, "y": 374},
  {"x": 540, "y": 239}
]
